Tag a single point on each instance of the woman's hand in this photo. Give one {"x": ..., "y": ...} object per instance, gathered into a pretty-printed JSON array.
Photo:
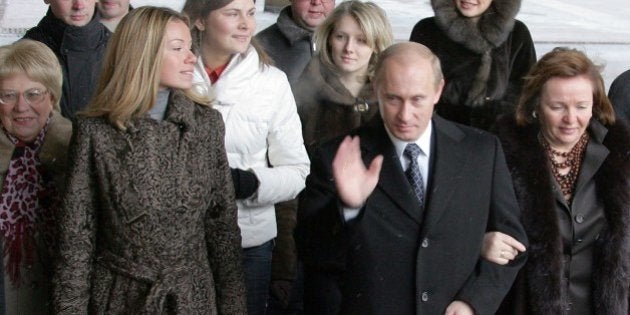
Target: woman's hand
[{"x": 500, "y": 248}]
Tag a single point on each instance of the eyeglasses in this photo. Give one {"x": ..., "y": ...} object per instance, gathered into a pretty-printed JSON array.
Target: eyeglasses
[{"x": 32, "y": 96}]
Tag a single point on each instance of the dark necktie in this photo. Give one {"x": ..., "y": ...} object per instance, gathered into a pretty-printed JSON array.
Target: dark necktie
[{"x": 413, "y": 171}]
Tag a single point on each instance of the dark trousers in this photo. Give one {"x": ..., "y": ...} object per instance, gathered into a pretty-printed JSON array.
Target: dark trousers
[{"x": 257, "y": 267}]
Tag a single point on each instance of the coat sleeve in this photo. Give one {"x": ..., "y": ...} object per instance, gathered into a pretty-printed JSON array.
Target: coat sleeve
[
  {"x": 321, "y": 238},
  {"x": 289, "y": 165},
  {"x": 486, "y": 287},
  {"x": 320, "y": 228},
  {"x": 223, "y": 236},
  {"x": 77, "y": 224}
]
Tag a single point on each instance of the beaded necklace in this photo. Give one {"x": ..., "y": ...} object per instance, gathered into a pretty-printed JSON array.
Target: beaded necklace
[{"x": 573, "y": 161}]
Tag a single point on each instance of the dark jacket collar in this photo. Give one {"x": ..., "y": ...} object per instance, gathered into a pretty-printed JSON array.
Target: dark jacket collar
[
  {"x": 291, "y": 30},
  {"x": 76, "y": 38}
]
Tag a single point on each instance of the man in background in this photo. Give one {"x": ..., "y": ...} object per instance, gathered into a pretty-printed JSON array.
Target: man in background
[
  {"x": 110, "y": 12},
  {"x": 79, "y": 41},
  {"x": 289, "y": 41}
]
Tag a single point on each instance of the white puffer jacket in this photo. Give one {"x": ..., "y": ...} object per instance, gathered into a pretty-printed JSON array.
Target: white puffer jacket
[{"x": 263, "y": 134}]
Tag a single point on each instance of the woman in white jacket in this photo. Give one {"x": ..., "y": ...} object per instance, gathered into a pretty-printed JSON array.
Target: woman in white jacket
[{"x": 263, "y": 136}]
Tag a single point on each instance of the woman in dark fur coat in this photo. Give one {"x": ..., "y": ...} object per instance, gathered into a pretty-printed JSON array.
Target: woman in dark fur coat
[
  {"x": 484, "y": 51},
  {"x": 570, "y": 163},
  {"x": 148, "y": 222}
]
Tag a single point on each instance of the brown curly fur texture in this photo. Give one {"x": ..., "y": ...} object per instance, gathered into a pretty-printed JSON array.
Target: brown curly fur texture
[
  {"x": 149, "y": 220},
  {"x": 544, "y": 269}
]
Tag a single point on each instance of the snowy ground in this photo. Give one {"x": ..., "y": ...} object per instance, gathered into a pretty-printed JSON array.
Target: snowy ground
[{"x": 600, "y": 28}]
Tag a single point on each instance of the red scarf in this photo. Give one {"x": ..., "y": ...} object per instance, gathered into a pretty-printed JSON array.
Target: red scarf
[{"x": 26, "y": 205}]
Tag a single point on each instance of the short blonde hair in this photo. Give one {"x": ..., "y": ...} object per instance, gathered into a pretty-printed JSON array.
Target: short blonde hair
[
  {"x": 36, "y": 61},
  {"x": 373, "y": 23},
  {"x": 130, "y": 77},
  {"x": 562, "y": 62}
]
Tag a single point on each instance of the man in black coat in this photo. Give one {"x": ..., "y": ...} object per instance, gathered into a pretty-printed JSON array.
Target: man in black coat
[
  {"x": 70, "y": 30},
  {"x": 403, "y": 235}
]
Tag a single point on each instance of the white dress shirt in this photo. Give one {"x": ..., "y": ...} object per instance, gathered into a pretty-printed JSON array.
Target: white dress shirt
[{"x": 424, "y": 142}]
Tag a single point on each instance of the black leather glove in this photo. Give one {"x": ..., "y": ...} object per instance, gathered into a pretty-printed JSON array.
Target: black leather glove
[{"x": 245, "y": 183}]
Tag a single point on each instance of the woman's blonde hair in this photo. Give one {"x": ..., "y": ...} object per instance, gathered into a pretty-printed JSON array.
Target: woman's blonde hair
[
  {"x": 199, "y": 9},
  {"x": 36, "y": 61},
  {"x": 373, "y": 23},
  {"x": 130, "y": 78}
]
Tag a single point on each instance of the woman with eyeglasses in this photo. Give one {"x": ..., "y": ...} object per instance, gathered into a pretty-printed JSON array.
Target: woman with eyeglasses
[
  {"x": 33, "y": 144},
  {"x": 263, "y": 141}
]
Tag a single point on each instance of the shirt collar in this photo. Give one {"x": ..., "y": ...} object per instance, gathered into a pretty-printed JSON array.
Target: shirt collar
[{"x": 424, "y": 142}]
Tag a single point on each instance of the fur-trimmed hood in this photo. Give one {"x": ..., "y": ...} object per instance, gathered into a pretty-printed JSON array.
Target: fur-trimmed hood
[
  {"x": 492, "y": 29},
  {"x": 531, "y": 176}
]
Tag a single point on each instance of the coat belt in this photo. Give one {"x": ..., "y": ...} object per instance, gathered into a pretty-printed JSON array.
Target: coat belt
[{"x": 162, "y": 283}]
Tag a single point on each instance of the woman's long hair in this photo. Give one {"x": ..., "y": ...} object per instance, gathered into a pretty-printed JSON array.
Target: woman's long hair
[{"x": 130, "y": 78}]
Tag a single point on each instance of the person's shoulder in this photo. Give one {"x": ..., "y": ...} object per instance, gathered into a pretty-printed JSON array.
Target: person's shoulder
[
  {"x": 60, "y": 124},
  {"x": 86, "y": 123},
  {"x": 424, "y": 28},
  {"x": 269, "y": 32},
  {"x": 271, "y": 76},
  {"x": 426, "y": 23},
  {"x": 462, "y": 133},
  {"x": 39, "y": 34},
  {"x": 520, "y": 27},
  {"x": 622, "y": 81}
]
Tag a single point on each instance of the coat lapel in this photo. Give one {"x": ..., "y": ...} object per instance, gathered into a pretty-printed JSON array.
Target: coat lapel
[
  {"x": 595, "y": 157},
  {"x": 392, "y": 180},
  {"x": 446, "y": 170}
]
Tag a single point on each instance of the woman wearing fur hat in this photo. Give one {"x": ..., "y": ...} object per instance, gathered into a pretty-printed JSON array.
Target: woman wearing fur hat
[
  {"x": 570, "y": 162},
  {"x": 484, "y": 51}
]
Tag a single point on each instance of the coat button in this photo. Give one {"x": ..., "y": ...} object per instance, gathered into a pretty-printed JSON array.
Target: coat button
[
  {"x": 425, "y": 296},
  {"x": 579, "y": 218},
  {"x": 425, "y": 242},
  {"x": 361, "y": 107}
]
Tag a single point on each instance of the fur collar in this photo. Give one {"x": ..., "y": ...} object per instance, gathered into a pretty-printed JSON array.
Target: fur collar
[
  {"x": 531, "y": 177},
  {"x": 491, "y": 31}
]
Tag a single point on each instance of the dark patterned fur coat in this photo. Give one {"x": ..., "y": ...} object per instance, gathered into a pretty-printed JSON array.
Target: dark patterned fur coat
[
  {"x": 539, "y": 287},
  {"x": 148, "y": 224}
]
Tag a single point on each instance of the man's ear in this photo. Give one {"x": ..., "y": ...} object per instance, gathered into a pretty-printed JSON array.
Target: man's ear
[
  {"x": 199, "y": 24},
  {"x": 440, "y": 88}
]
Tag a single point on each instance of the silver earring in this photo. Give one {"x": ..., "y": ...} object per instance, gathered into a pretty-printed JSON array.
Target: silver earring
[{"x": 534, "y": 114}]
